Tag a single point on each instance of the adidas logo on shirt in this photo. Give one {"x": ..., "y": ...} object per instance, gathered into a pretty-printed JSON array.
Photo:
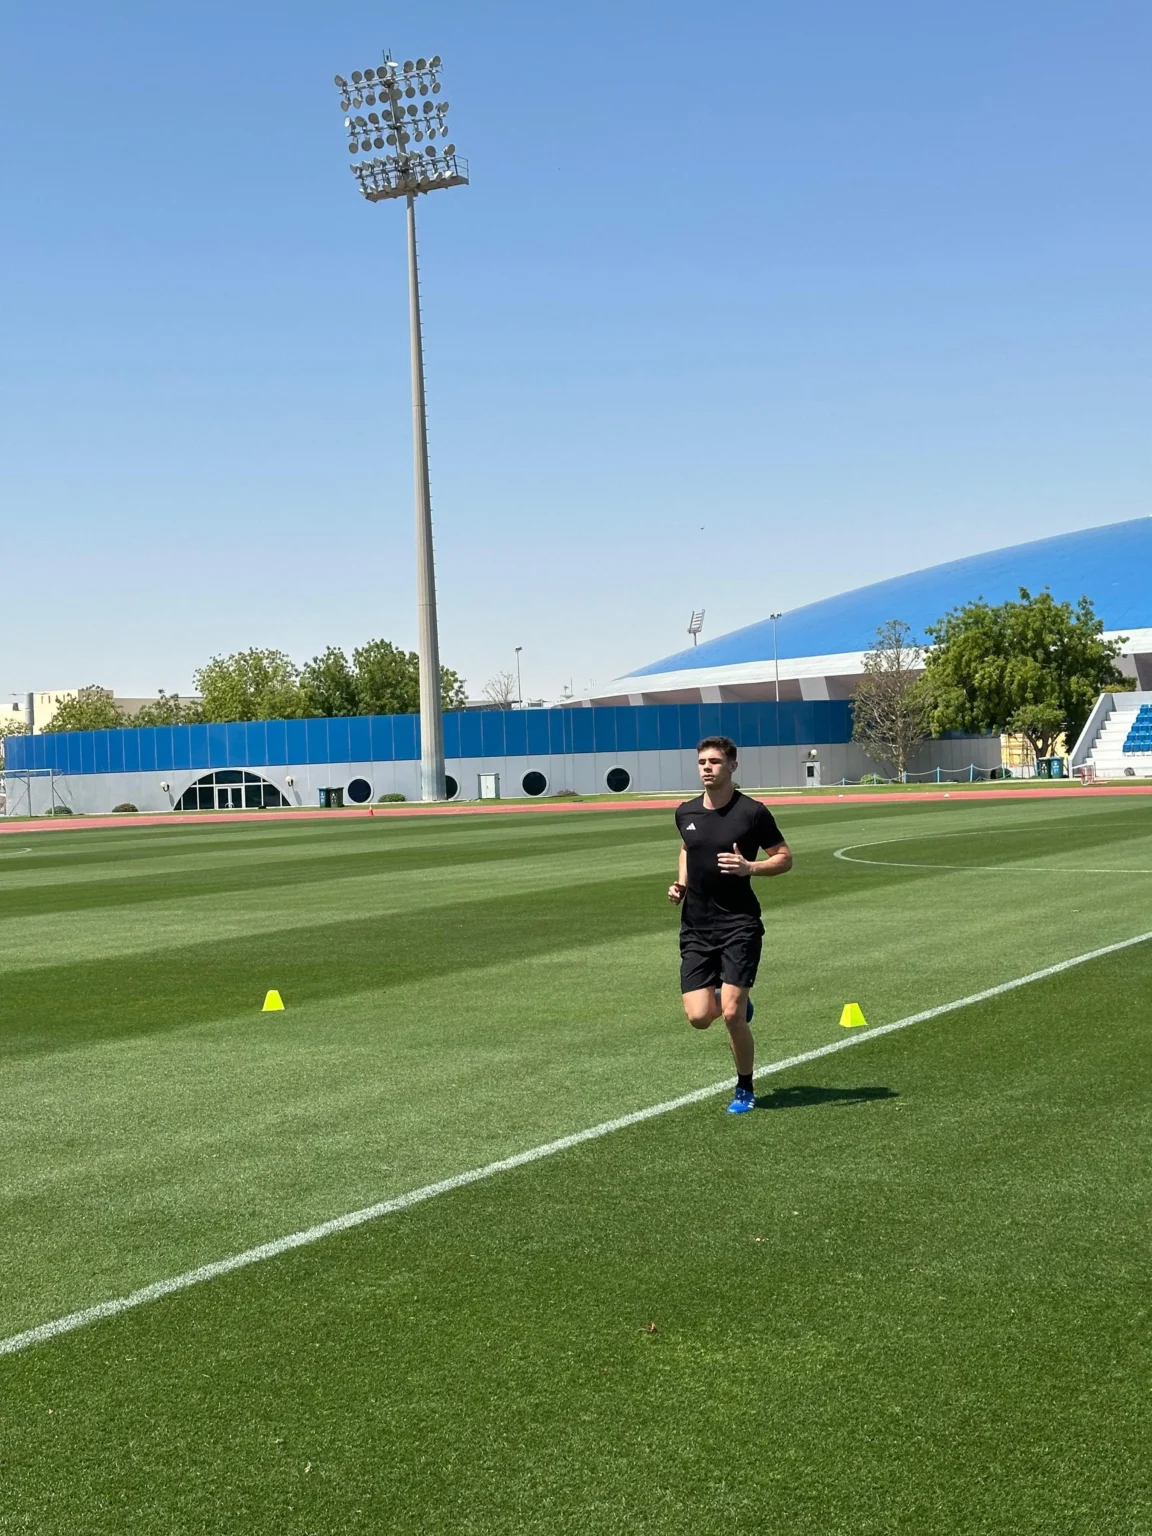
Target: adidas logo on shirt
[{"x": 691, "y": 827}]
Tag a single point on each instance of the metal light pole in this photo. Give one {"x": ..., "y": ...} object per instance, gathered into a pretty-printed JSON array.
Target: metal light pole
[
  {"x": 696, "y": 624},
  {"x": 776, "y": 666},
  {"x": 406, "y": 172},
  {"x": 519, "y": 691}
]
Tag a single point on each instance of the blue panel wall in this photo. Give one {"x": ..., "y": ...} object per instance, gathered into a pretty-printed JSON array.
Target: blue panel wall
[
  {"x": 296, "y": 740},
  {"x": 405, "y": 747},
  {"x": 359, "y": 740},
  {"x": 537, "y": 728},
  {"x": 339, "y": 741},
  {"x": 396, "y": 738},
  {"x": 383, "y": 739}
]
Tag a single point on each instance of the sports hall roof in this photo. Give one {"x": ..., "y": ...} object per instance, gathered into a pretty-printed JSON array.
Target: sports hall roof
[{"x": 1113, "y": 565}]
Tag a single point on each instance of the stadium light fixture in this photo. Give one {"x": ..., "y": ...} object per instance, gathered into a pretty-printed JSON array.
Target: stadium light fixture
[
  {"x": 775, "y": 652},
  {"x": 404, "y": 131},
  {"x": 696, "y": 624}
]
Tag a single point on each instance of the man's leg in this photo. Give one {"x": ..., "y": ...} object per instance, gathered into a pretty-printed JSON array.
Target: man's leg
[
  {"x": 699, "y": 973},
  {"x": 701, "y": 1007},
  {"x": 734, "y": 1006}
]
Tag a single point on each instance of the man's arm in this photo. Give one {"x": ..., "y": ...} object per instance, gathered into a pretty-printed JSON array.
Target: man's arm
[
  {"x": 777, "y": 862},
  {"x": 676, "y": 892}
]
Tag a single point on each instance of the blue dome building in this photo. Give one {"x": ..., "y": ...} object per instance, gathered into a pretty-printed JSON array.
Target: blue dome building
[{"x": 816, "y": 651}]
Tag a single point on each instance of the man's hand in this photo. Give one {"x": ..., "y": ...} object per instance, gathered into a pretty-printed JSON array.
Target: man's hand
[
  {"x": 676, "y": 893},
  {"x": 733, "y": 863}
]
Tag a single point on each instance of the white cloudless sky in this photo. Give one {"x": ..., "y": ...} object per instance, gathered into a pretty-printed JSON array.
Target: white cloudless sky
[{"x": 745, "y": 305}]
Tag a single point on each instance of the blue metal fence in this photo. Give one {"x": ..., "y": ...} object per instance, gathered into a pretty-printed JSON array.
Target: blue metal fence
[{"x": 396, "y": 738}]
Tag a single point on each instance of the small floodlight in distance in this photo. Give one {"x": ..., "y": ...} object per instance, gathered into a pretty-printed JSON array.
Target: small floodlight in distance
[
  {"x": 696, "y": 623},
  {"x": 341, "y": 82},
  {"x": 369, "y": 73},
  {"x": 434, "y": 61},
  {"x": 408, "y": 66},
  {"x": 357, "y": 76}
]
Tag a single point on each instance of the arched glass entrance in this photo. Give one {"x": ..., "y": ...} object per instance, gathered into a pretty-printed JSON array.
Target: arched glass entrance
[{"x": 229, "y": 789}]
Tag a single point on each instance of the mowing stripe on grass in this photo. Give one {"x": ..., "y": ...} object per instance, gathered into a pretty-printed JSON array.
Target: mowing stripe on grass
[{"x": 161, "y": 1288}]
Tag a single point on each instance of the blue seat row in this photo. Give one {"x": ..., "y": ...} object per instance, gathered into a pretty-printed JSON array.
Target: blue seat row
[{"x": 1139, "y": 737}]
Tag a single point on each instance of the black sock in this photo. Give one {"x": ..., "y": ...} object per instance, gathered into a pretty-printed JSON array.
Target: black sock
[{"x": 744, "y": 1080}]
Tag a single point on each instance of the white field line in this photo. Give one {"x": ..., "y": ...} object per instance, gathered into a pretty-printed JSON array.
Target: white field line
[
  {"x": 849, "y": 849},
  {"x": 161, "y": 1288}
]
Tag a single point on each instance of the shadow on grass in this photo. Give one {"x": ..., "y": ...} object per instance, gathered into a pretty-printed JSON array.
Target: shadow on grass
[{"x": 806, "y": 1097}]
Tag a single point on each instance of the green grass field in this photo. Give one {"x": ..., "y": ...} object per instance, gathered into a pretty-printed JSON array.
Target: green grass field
[{"x": 909, "y": 1294}]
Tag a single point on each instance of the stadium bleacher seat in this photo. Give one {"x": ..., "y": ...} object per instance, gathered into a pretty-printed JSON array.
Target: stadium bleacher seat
[{"x": 1139, "y": 737}]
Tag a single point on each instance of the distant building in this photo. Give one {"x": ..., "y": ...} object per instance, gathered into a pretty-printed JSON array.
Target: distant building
[{"x": 14, "y": 709}]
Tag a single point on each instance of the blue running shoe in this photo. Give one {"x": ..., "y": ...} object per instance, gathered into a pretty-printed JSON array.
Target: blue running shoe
[
  {"x": 750, "y": 1008},
  {"x": 743, "y": 1101}
]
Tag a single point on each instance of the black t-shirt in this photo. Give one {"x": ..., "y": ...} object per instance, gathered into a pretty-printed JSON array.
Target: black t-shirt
[{"x": 715, "y": 899}]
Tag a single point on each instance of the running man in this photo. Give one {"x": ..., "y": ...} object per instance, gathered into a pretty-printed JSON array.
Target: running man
[{"x": 721, "y": 833}]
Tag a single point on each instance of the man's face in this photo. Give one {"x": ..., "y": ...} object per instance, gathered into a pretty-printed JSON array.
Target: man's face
[{"x": 715, "y": 769}]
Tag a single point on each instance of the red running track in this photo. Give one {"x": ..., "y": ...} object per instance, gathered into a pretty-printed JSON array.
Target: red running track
[{"x": 535, "y": 807}]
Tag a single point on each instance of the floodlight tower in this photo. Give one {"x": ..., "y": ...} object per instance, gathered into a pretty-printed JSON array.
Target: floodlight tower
[{"x": 406, "y": 172}]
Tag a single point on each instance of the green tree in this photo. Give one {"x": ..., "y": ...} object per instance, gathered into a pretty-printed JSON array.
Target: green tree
[
  {"x": 388, "y": 681},
  {"x": 328, "y": 685},
  {"x": 890, "y": 709},
  {"x": 250, "y": 685},
  {"x": 452, "y": 694},
  {"x": 93, "y": 709},
  {"x": 169, "y": 709},
  {"x": 10, "y": 728},
  {"x": 1032, "y": 668}
]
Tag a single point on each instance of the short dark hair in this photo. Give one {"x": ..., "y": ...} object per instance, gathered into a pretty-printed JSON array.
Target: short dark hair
[{"x": 723, "y": 744}]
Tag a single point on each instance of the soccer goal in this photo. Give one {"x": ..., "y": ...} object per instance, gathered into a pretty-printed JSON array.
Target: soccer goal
[{"x": 32, "y": 792}]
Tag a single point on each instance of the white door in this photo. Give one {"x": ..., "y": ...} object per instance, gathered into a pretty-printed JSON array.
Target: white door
[
  {"x": 812, "y": 774},
  {"x": 489, "y": 784}
]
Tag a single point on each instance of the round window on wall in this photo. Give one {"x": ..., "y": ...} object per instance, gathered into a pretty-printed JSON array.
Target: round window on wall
[
  {"x": 618, "y": 780},
  {"x": 533, "y": 783},
  {"x": 451, "y": 788},
  {"x": 359, "y": 791}
]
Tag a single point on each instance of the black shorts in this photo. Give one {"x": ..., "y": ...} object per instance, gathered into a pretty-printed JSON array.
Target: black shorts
[{"x": 707, "y": 959}]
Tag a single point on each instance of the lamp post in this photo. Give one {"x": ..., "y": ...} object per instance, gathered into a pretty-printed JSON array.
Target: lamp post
[
  {"x": 519, "y": 693},
  {"x": 406, "y": 172},
  {"x": 776, "y": 667}
]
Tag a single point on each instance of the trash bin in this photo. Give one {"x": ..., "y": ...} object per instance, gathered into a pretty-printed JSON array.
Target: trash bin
[{"x": 331, "y": 799}]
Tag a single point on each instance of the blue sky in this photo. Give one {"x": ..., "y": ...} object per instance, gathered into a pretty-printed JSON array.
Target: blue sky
[{"x": 745, "y": 305}]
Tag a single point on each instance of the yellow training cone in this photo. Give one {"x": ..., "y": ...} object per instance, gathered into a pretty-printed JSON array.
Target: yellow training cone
[
  {"x": 273, "y": 1003},
  {"x": 849, "y": 1015}
]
